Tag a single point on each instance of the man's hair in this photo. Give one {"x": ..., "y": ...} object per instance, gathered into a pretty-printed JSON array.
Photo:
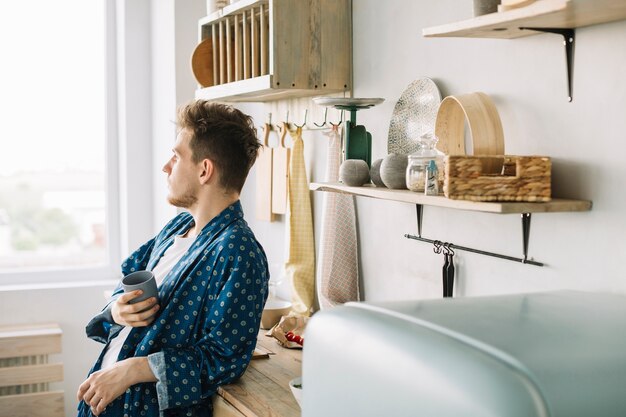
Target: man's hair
[{"x": 224, "y": 135}]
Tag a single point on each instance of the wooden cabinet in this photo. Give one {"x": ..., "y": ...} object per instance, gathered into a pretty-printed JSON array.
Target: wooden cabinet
[
  {"x": 263, "y": 390},
  {"x": 263, "y": 50}
]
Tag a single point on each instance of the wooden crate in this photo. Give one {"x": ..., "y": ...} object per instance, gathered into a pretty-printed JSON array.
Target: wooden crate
[
  {"x": 521, "y": 178},
  {"x": 264, "y": 50},
  {"x": 25, "y": 373}
]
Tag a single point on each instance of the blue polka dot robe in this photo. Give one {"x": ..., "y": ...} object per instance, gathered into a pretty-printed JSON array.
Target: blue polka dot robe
[{"x": 206, "y": 329}]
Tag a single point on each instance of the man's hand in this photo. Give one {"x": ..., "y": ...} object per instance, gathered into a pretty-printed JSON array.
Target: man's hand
[
  {"x": 134, "y": 315},
  {"x": 102, "y": 387}
]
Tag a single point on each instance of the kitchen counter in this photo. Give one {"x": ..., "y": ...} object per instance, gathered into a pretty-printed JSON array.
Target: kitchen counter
[{"x": 263, "y": 390}]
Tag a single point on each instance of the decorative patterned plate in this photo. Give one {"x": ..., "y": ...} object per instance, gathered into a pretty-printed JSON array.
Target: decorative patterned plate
[{"x": 415, "y": 114}]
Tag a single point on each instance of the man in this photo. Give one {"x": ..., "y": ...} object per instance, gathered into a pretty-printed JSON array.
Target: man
[{"x": 168, "y": 357}]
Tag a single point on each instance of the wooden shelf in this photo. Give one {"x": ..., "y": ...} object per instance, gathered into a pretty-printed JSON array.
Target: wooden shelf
[
  {"x": 564, "y": 14},
  {"x": 258, "y": 89},
  {"x": 405, "y": 196}
]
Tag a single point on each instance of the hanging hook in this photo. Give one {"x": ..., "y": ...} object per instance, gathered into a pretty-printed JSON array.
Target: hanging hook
[
  {"x": 437, "y": 248},
  {"x": 340, "y": 120},
  {"x": 325, "y": 114},
  {"x": 269, "y": 118},
  {"x": 281, "y": 125},
  {"x": 306, "y": 111}
]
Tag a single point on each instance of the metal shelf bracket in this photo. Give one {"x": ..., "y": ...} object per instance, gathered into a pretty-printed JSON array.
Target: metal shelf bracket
[
  {"x": 525, "y": 234},
  {"x": 569, "y": 40},
  {"x": 420, "y": 213}
]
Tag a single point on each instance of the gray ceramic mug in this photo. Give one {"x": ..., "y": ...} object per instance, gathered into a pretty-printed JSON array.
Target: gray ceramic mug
[{"x": 141, "y": 280}]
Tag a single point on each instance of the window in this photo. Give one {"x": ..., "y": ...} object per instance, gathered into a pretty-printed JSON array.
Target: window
[{"x": 53, "y": 167}]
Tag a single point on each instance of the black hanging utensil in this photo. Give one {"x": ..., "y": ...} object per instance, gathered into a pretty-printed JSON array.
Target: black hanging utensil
[
  {"x": 450, "y": 271},
  {"x": 444, "y": 270}
]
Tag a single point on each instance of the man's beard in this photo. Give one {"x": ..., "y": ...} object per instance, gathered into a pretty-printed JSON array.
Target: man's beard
[{"x": 184, "y": 201}]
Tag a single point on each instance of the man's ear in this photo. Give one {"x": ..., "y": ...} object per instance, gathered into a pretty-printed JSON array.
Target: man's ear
[{"x": 207, "y": 171}]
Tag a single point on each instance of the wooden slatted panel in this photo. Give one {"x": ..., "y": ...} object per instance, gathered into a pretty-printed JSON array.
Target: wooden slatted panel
[
  {"x": 12, "y": 364},
  {"x": 264, "y": 39},
  {"x": 216, "y": 53},
  {"x": 238, "y": 63},
  {"x": 41, "y": 404},
  {"x": 222, "y": 41},
  {"x": 246, "y": 46},
  {"x": 229, "y": 53},
  {"x": 29, "y": 340},
  {"x": 26, "y": 346},
  {"x": 254, "y": 43},
  {"x": 32, "y": 374}
]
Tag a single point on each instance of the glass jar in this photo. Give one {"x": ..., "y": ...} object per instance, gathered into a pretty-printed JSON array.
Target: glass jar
[
  {"x": 416, "y": 170},
  {"x": 416, "y": 173}
]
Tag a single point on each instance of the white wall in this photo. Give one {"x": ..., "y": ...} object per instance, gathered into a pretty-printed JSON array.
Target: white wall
[{"x": 527, "y": 80}]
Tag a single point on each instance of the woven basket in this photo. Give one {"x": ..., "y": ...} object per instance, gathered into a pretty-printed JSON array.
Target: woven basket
[{"x": 521, "y": 178}]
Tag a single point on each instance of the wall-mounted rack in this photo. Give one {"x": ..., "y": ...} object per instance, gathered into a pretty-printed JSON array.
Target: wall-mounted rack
[
  {"x": 268, "y": 50},
  {"x": 523, "y": 208},
  {"x": 525, "y": 237},
  {"x": 552, "y": 16}
]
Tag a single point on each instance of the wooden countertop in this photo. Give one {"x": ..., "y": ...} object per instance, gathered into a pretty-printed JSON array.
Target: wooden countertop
[{"x": 263, "y": 390}]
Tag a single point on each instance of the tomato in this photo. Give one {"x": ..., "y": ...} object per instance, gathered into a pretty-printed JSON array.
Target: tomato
[{"x": 294, "y": 338}]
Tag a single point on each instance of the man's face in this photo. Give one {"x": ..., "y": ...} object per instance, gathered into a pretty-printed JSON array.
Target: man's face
[{"x": 182, "y": 173}]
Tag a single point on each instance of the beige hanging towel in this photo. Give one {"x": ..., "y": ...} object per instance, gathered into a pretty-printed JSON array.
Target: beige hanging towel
[
  {"x": 300, "y": 266},
  {"x": 338, "y": 268}
]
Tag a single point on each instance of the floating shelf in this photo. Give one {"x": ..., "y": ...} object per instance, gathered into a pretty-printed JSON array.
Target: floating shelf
[
  {"x": 405, "y": 196},
  {"x": 564, "y": 14}
]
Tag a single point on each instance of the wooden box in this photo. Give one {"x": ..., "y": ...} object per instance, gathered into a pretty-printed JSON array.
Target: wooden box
[
  {"x": 262, "y": 50},
  {"x": 521, "y": 178}
]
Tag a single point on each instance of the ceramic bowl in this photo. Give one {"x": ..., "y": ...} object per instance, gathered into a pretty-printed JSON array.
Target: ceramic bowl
[
  {"x": 274, "y": 309},
  {"x": 296, "y": 388}
]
